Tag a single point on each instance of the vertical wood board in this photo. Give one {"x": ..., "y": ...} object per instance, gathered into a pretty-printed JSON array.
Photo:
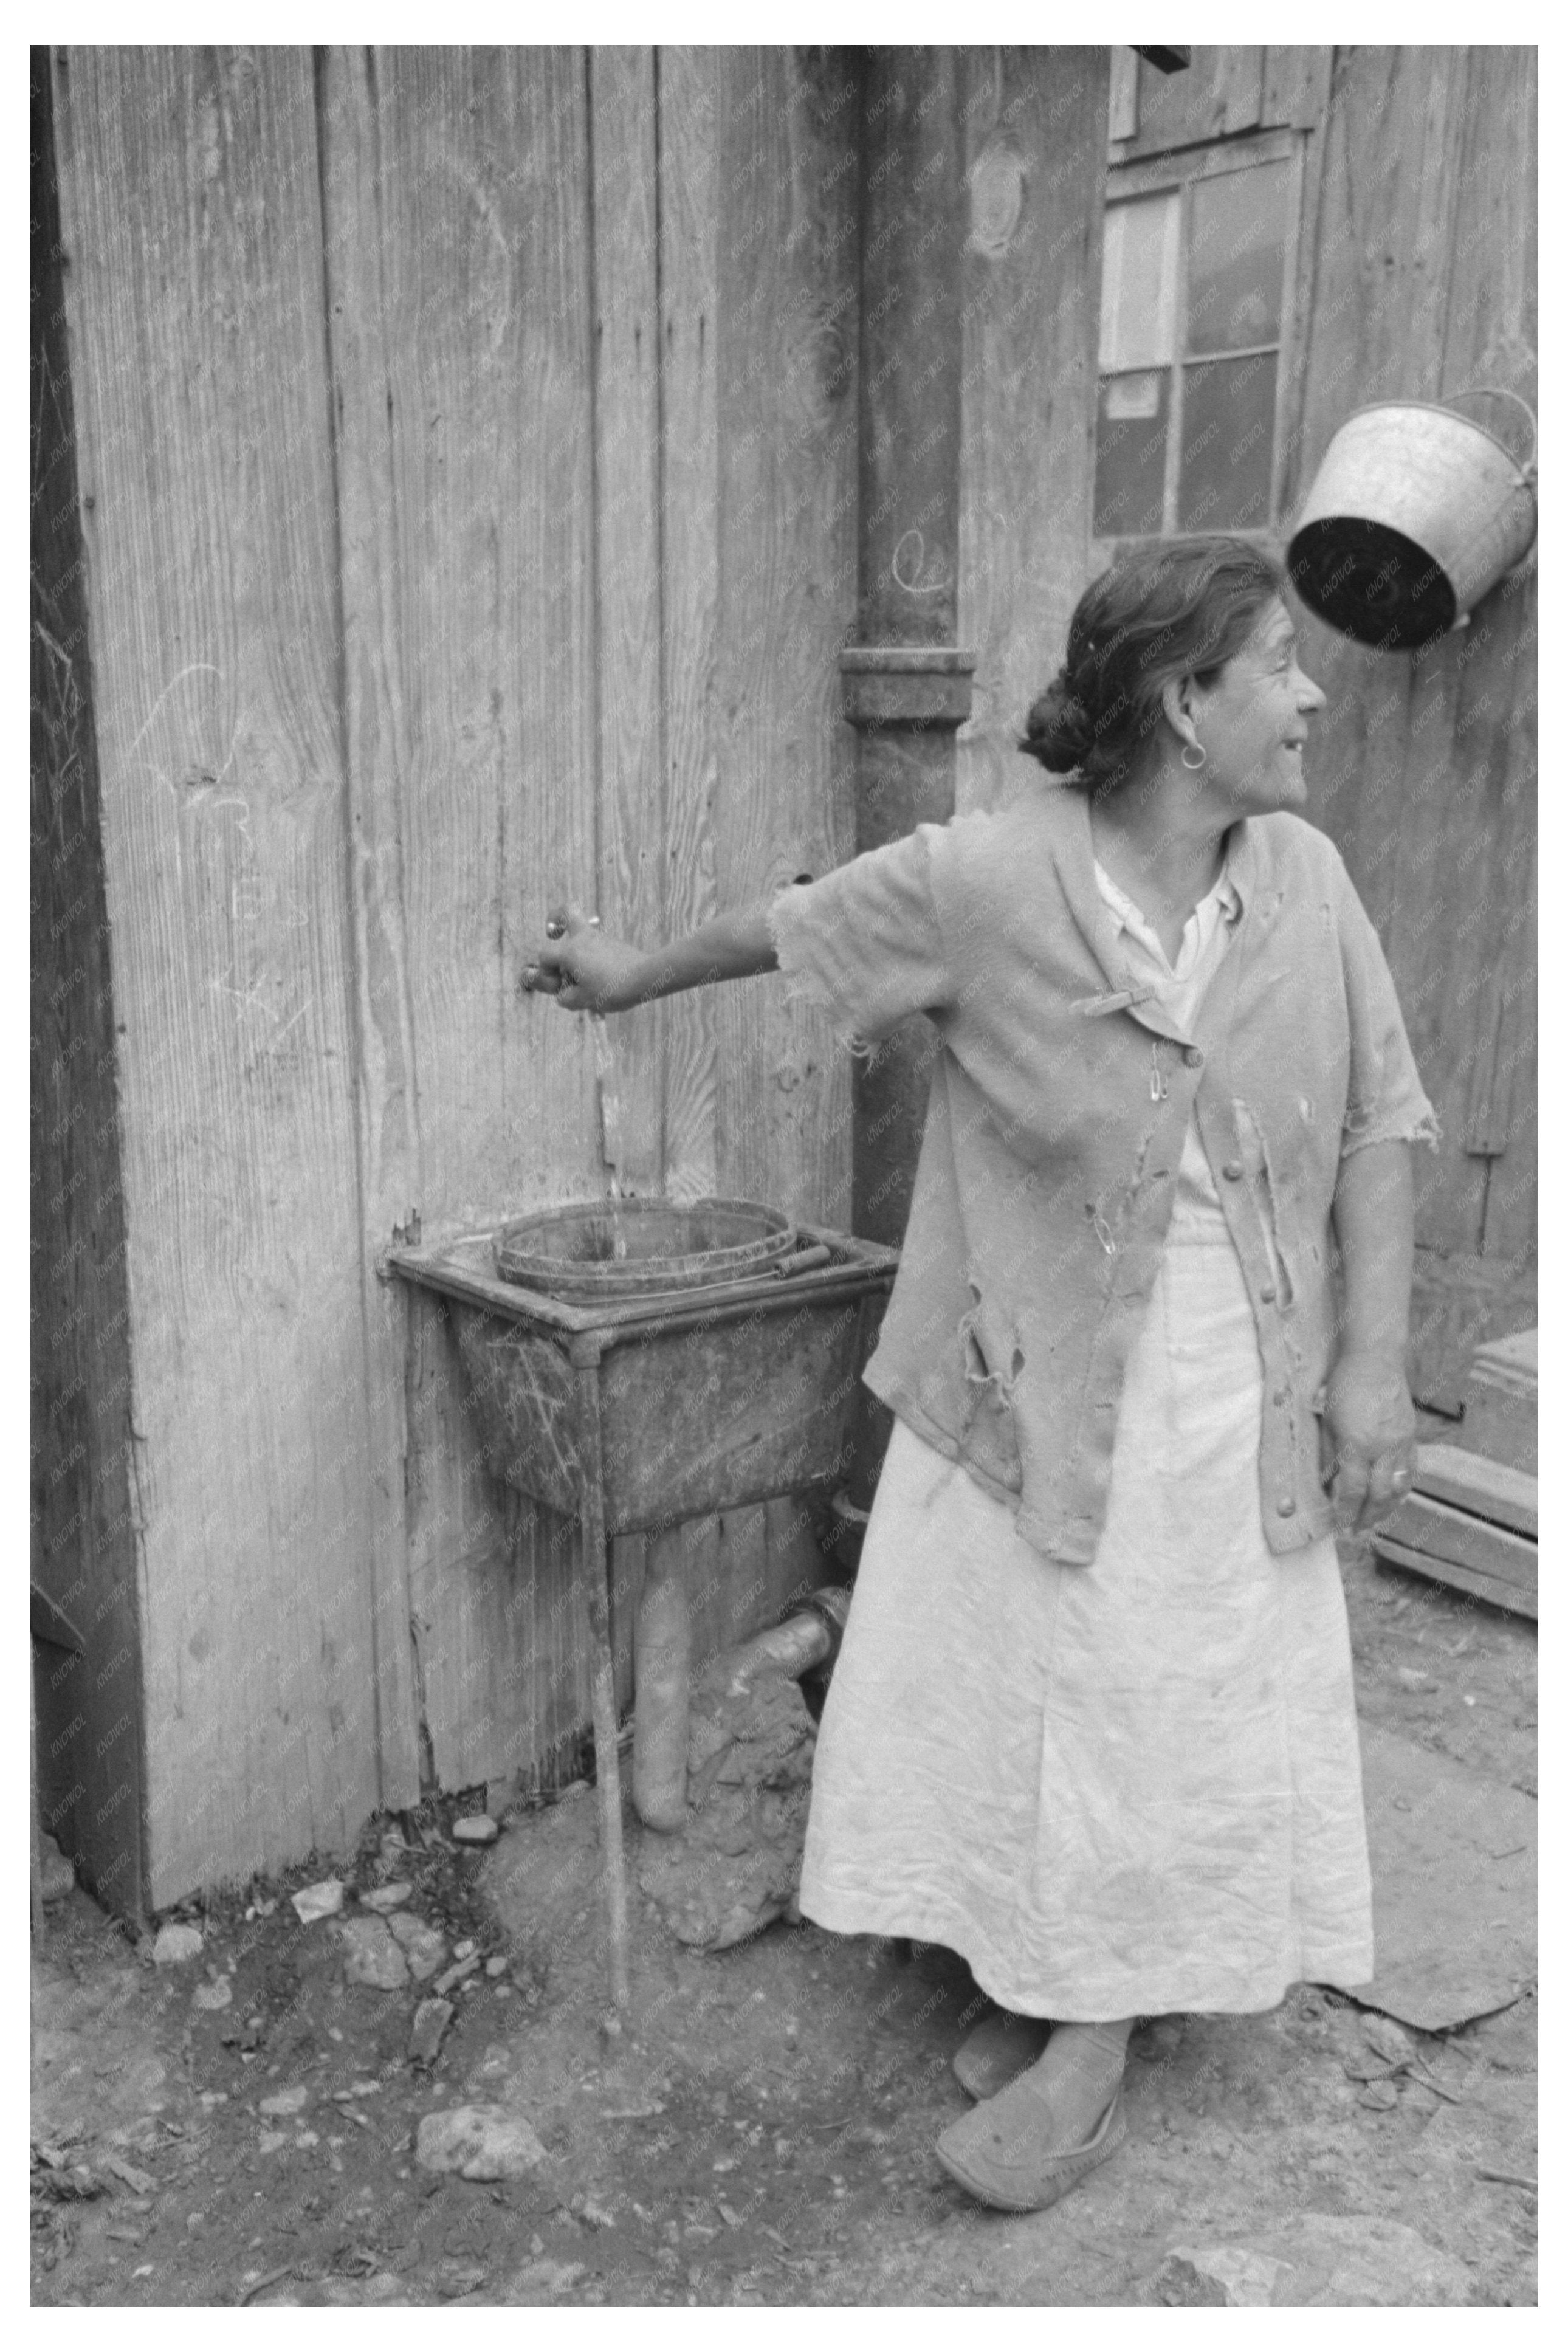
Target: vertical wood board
[
  {"x": 475, "y": 256},
  {"x": 688, "y": 232},
  {"x": 1035, "y": 161},
  {"x": 631, "y": 892},
  {"x": 377, "y": 752},
  {"x": 1490, "y": 339},
  {"x": 191, "y": 218},
  {"x": 85, "y": 1721},
  {"x": 1491, "y": 328},
  {"x": 1296, "y": 86},
  {"x": 789, "y": 328},
  {"x": 1384, "y": 233},
  {"x": 481, "y": 247}
]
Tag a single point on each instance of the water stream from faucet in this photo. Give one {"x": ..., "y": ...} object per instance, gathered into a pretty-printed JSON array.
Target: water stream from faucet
[{"x": 610, "y": 1118}]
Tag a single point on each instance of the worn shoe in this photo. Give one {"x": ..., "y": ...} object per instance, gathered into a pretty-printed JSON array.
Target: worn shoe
[
  {"x": 997, "y": 2049},
  {"x": 1004, "y": 2152}
]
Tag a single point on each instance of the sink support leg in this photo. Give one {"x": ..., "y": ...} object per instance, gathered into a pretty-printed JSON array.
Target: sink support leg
[
  {"x": 596, "y": 1593},
  {"x": 663, "y": 1654}
]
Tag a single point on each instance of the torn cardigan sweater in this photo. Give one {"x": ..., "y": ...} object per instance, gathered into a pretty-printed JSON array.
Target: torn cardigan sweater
[{"x": 1060, "y": 1102}]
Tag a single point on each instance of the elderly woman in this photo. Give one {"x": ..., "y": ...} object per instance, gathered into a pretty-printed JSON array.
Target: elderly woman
[{"x": 1093, "y": 1724}]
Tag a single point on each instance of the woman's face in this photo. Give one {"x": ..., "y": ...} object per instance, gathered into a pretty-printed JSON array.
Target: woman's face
[{"x": 1253, "y": 720}]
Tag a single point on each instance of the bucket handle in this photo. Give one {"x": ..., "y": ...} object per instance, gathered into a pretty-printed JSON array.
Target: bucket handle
[{"x": 1500, "y": 392}]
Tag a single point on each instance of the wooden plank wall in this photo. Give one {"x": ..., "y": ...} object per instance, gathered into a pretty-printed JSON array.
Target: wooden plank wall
[
  {"x": 1228, "y": 88},
  {"x": 468, "y": 448},
  {"x": 1424, "y": 258},
  {"x": 661, "y": 320},
  {"x": 195, "y": 307},
  {"x": 1416, "y": 280},
  {"x": 467, "y": 443},
  {"x": 458, "y": 230},
  {"x": 1034, "y": 123}
]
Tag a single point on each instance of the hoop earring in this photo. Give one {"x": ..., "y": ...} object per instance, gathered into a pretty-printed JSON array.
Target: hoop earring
[{"x": 1194, "y": 765}]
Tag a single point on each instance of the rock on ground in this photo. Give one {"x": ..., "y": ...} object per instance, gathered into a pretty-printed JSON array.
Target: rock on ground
[
  {"x": 1361, "y": 2259},
  {"x": 292, "y": 2101},
  {"x": 391, "y": 1898},
  {"x": 174, "y": 1944},
  {"x": 457, "y": 1973},
  {"x": 57, "y": 1874},
  {"x": 475, "y": 1829},
  {"x": 545, "y": 2281},
  {"x": 425, "y": 1949},
  {"x": 735, "y": 1867},
  {"x": 372, "y": 1955},
  {"x": 481, "y": 2143},
  {"x": 431, "y": 2020},
  {"x": 1318, "y": 2259},
  {"x": 1225, "y": 2275},
  {"x": 318, "y": 1902}
]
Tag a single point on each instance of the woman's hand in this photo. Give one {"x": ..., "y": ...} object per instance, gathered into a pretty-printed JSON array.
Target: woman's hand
[
  {"x": 1368, "y": 1439},
  {"x": 583, "y": 970}
]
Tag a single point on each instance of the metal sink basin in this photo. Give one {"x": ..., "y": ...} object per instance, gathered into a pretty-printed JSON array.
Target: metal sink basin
[
  {"x": 710, "y": 1393},
  {"x": 697, "y": 1364}
]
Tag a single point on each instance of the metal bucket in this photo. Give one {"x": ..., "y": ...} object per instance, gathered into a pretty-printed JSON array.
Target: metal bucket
[
  {"x": 600, "y": 1251},
  {"x": 1415, "y": 512}
]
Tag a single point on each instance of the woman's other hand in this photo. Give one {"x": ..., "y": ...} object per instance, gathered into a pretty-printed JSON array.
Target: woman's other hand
[
  {"x": 583, "y": 970},
  {"x": 1368, "y": 1433}
]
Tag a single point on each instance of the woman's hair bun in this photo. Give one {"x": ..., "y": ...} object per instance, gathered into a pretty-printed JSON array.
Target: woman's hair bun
[
  {"x": 1179, "y": 609},
  {"x": 1058, "y": 732}
]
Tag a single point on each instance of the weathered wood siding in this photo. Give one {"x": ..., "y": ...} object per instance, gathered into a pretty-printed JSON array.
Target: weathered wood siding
[
  {"x": 192, "y": 223},
  {"x": 1035, "y": 152},
  {"x": 468, "y": 446},
  {"x": 715, "y": 396},
  {"x": 1416, "y": 279},
  {"x": 1228, "y": 88},
  {"x": 82, "y": 1421},
  {"x": 1424, "y": 285},
  {"x": 467, "y": 443}
]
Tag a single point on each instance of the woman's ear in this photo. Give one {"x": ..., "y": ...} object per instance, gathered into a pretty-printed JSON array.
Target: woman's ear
[{"x": 1176, "y": 700}]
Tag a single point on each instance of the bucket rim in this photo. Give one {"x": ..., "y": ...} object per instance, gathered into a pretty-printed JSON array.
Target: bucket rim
[
  {"x": 773, "y": 1237},
  {"x": 1523, "y": 473}
]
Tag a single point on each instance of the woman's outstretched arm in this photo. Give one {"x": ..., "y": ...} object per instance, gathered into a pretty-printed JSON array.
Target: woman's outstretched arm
[{"x": 586, "y": 973}]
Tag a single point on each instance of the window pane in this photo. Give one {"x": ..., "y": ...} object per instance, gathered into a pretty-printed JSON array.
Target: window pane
[
  {"x": 1228, "y": 444},
  {"x": 1235, "y": 265},
  {"x": 1138, "y": 288},
  {"x": 1130, "y": 454}
]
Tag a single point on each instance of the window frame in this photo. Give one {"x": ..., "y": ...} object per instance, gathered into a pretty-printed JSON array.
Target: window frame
[{"x": 1178, "y": 172}]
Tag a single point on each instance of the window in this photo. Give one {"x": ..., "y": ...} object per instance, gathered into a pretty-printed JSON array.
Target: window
[{"x": 1194, "y": 324}]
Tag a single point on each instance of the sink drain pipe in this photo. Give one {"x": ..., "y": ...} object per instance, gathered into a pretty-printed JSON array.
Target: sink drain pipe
[{"x": 803, "y": 1646}]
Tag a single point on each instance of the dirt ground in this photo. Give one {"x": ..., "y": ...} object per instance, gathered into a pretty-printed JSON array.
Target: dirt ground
[{"x": 760, "y": 2130}]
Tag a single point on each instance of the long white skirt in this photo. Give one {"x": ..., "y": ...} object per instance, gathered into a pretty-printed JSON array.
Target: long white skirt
[{"x": 1121, "y": 1789}]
